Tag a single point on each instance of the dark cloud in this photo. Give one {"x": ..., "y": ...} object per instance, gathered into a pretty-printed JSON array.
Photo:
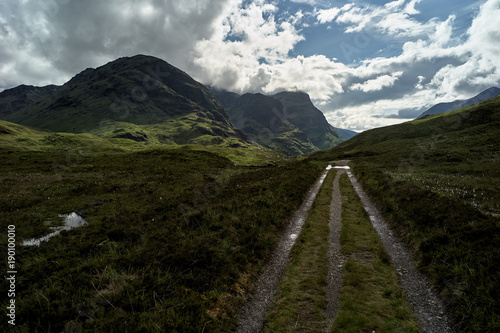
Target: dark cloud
[
  {"x": 67, "y": 36},
  {"x": 407, "y": 114}
]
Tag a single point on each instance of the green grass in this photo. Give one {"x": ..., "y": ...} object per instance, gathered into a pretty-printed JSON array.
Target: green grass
[
  {"x": 436, "y": 182},
  {"x": 300, "y": 301},
  {"x": 371, "y": 298},
  {"x": 15, "y": 138},
  {"x": 174, "y": 241},
  {"x": 179, "y": 130}
]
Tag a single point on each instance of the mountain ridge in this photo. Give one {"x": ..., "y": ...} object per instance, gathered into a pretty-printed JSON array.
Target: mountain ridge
[
  {"x": 450, "y": 106},
  {"x": 345, "y": 133}
]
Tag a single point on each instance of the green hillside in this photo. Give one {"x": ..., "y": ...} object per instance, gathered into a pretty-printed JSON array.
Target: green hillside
[
  {"x": 14, "y": 138},
  {"x": 437, "y": 182}
]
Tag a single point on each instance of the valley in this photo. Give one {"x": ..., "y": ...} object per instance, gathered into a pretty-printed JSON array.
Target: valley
[{"x": 188, "y": 192}]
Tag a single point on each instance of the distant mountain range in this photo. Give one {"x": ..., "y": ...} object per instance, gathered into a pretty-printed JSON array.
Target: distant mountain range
[
  {"x": 287, "y": 121},
  {"x": 345, "y": 133},
  {"x": 445, "y": 107},
  {"x": 145, "y": 99}
]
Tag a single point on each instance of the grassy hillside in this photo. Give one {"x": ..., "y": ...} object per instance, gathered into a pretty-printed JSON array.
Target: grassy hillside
[
  {"x": 437, "y": 181},
  {"x": 15, "y": 137},
  {"x": 446, "y": 107},
  {"x": 174, "y": 239},
  {"x": 126, "y": 137}
]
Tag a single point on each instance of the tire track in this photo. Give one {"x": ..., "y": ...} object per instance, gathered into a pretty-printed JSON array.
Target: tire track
[
  {"x": 425, "y": 303},
  {"x": 251, "y": 318}
]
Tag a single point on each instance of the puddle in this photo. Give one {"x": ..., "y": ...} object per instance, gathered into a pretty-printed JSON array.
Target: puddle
[
  {"x": 293, "y": 236},
  {"x": 329, "y": 167},
  {"x": 342, "y": 167},
  {"x": 71, "y": 221}
]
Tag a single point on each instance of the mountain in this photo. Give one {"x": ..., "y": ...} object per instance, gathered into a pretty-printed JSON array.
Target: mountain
[
  {"x": 345, "y": 133},
  {"x": 15, "y": 99},
  {"x": 445, "y": 107},
  {"x": 141, "y": 98},
  {"x": 287, "y": 121}
]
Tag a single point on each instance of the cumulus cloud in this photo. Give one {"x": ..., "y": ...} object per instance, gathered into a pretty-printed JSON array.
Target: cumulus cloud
[
  {"x": 251, "y": 50},
  {"x": 327, "y": 15},
  {"x": 439, "y": 67},
  {"x": 378, "y": 83}
]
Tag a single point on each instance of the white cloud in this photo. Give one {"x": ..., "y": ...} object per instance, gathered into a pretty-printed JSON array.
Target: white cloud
[
  {"x": 394, "y": 5},
  {"x": 394, "y": 18},
  {"x": 419, "y": 83},
  {"x": 309, "y": 2},
  {"x": 443, "y": 31},
  {"x": 327, "y": 15},
  {"x": 410, "y": 7},
  {"x": 248, "y": 42},
  {"x": 379, "y": 83}
]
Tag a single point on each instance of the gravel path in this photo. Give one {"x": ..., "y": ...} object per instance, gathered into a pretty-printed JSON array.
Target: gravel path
[
  {"x": 336, "y": 260},
  {"x": 426, "y": 305},
  {"x": 251, "y": 318}
]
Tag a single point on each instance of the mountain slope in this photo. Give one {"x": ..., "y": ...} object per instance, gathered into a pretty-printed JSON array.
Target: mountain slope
[
  {"x": 345, "y": 133},
  {"x": 445, "y": 107},
  {"x": 482, "y": 119},
  {"x": 287, "y": 121},
  {"x": 139, "y": 90},
  {"x": 15, "y": 99},
  {"x": 18, "y": 138},
  {"x": 300, "y": 111}
]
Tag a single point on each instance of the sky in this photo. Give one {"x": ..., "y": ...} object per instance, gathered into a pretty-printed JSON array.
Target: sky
[{"x": 365, "y": 64}]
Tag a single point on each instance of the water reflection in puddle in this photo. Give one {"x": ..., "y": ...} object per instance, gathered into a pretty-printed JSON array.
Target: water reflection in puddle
[
  {"x": 71, "y": 221},
  {"x": 342, "y": 167}
]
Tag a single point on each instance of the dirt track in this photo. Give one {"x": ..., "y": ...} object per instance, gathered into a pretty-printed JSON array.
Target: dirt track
[
  {"x": 426, "y": 305},
  {"x": 424, "y": 301},
  {"x": 252, "y": 316}
]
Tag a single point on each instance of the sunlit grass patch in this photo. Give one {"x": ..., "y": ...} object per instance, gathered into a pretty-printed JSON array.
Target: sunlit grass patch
[{"x": 479, "y": 191}]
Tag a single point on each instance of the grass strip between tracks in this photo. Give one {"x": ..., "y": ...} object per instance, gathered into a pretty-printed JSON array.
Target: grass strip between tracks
[{"x": 371, "y": 298}]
